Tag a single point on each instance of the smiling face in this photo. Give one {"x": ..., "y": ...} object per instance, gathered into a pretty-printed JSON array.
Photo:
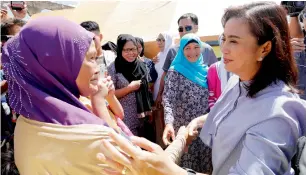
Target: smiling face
[
  {"x": 241, "y": 53},
  {"x": 87, "y": 80},
  {"x": 129, "y": 51},
  {"x": 192, "y": 51}
]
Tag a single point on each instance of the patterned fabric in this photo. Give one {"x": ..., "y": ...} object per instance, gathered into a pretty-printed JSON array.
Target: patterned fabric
[
  {"x": 183, "y": 101},
  {"x": 128, "y": 102}
]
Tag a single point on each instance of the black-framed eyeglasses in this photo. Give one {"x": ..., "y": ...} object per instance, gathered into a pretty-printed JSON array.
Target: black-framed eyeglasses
[
  {"x": 160, "y": 40},
  {"x": 129, "y": 50},
  {"x": 187, "y": 28}
]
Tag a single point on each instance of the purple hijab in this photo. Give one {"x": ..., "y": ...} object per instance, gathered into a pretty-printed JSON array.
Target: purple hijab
[{"x": 41, "y": 64}]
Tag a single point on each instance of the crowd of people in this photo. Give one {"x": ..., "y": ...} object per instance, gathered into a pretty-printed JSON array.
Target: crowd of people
[{"x": 73, "y": 106}]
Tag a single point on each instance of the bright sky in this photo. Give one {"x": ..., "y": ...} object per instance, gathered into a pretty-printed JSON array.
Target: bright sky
[{"x": 209, "y": 12}]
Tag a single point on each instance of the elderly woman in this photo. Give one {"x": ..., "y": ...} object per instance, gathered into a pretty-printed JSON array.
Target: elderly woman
[
  {"x": 45, "y": 83},
  {"x": 186, "y": 98},
  {"x": 255, "y": 124}
]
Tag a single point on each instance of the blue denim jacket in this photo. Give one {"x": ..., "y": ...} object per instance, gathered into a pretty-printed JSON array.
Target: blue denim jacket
[{"x": 301, "y": 63}]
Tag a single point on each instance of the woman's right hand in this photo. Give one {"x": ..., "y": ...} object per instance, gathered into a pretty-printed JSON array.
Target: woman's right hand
[
  {"x": 4, "y": 15},
  {"x": 152, "y": 160},
  {"x": 102, "y": 91},
  {"x": 168, "y": 133},
  {"x": 135, "y": 85},
  {"x": 297, "y": 44}
]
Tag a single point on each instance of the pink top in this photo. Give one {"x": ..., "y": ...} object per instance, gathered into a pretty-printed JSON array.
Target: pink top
[{"x": 214, "y": 85}]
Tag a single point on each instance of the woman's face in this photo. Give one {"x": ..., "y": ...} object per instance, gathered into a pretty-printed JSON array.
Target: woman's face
[
  {"x": 129, "y": 52},
  {"x": 192, "y": 52},
  {"x": 240, "y": 50},
  {"x": 87, "y": 80},
  {"x": 160, "y": 42},
  {"x": 139, "y": 47}
]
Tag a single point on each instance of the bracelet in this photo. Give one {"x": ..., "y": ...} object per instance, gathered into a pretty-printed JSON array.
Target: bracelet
[{"x": 190, "y": 171}]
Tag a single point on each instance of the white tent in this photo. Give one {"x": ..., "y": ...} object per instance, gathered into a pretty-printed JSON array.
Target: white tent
[{"x": 147, "y": 18}]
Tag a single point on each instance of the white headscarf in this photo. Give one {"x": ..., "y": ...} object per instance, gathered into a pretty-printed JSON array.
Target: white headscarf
[{"x": 169, "y": 42}]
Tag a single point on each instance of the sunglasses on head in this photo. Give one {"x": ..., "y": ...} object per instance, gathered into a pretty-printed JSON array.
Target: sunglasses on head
[
  {"x": 160, "y": 39},
  {"x": 187, "y": 28}
]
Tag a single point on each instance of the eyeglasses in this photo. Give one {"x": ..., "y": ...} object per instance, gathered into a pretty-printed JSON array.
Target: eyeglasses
[
  {"x": 160, "y": 39},
  {"x": 187, "y": 28},
  {"x": 129, "y": 50}
]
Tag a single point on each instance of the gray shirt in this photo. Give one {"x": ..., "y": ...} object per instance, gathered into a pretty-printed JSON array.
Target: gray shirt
[
  {"x": 207, "y": 52},
  {"x": 254, "y": 136}
]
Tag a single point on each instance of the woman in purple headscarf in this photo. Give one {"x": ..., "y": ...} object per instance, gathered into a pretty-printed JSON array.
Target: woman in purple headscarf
[{"x": 49, "y": 64}]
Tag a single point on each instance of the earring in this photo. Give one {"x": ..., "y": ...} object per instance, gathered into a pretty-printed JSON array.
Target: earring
[{"x": 260, "y": 59}]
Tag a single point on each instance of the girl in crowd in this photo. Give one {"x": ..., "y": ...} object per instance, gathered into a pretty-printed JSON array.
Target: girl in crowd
[{"x": 255, "y": 125}]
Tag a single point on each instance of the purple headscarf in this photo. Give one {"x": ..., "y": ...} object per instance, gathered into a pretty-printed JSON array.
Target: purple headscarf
[{"x": 41, "y": 64}]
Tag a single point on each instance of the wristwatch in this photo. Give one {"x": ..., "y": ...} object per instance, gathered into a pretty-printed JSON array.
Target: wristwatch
[{"x": 190, "y": 171}]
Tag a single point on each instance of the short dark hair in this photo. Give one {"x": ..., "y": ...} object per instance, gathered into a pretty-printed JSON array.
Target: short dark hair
[
  {"x": 267, "y": 22},
  {"x": 91, "y": 26},
  {"x": 192, "y": 16},
  {"x": 7, "y": 25}
]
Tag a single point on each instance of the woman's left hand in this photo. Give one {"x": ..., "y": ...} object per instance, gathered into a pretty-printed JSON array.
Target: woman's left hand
[{"x": 154, "y": 161}]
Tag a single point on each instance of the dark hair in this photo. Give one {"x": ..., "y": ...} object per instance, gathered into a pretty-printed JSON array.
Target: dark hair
[
  {"x": 192, "y": 16},
  {"x": 8, "y": 166},
  {"x": 91, "y": 26},
  {"x": 140, "y": 41},
  {"x": 267, "y": 22},
  {"x": 7, "y": 25},
  {"x": 191, "y": 41},
  {"x": 110, "y": 46}
]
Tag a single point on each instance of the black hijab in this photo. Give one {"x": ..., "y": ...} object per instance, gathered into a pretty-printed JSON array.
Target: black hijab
[
  {"x": 110, "y": 46},
  {"x": 133, "y": 71},
  {"x": 140, "y": 41}
]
